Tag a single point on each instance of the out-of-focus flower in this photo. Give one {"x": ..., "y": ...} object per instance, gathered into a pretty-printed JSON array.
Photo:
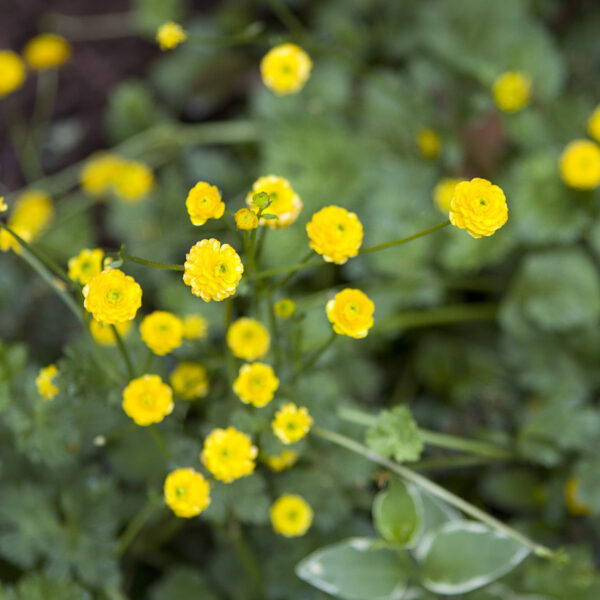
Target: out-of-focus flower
[
  {"x": 228, "y": 454},
  {"x": 256, "y": 384},
  {"x": 169, "y": 35},
  {"x": 187, "y": 493},
  {"x": 45, "y": 382},
  {"x": 194, "y": 327},
  {"x": 147, "y": 400},
  {"x": 104, "y": 335},
  {"x": 12, "y": 72},
  {"x": 47, "y": 51},
  {"x": 512, "y": 91},
  {"x": 429, "y": 143},
  {"x": 443, "y": 192},
  {"x": 162, "y": 332},
  {"x": 580, "y": 165},
  {"x": 247, "y": 338},
  {"x": 87, "y": 264},
  {"x": 189, "y": 381},
  {"x": 291, "y": 515},
  {"x": 285, "y": 69},
  {"x": 280, "y": 462},
  {"x": 291, "y": 423}
]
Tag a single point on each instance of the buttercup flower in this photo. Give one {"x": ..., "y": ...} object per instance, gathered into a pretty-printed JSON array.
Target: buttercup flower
[
  {"x": 162, "y": 332},
  {"x": 285, "y": 69},
  {"x": 351, "y": 313},
  {"x": 104, "y": 335},
  {"x": 87, "y": 264},
  {"x": 245, "y": 219},
  {"x": 284, "y": 308},
  {"x": 170, "y": 35},
  {"x": 580, "y": 165},
  {"x": 575, "y": 506},
  {"x": 133, "y": 181},
  {"x": 112, "y": 297},
  {"x": 147, "y": 400},
  {"x": 228, "y": 454},
  {"x": 291, "y": 423},
  {"x": 248, "y": 339},
  {"x": 479, "y": 207},
  {"x": 47, "y": 51},
  {"x": 443, "y": 192},
  {"x": 256, "y": 384},
  {"x": 594, "y": 124},
  {"x": 512, "y": 91},
  {"x": 194, "y": 327},
  {"x": 283, "y": 461},
  {"x": 291, "y": 515},
  {"x": 189, "y": 381},
  {"x": 45, "y": 382},
  {"x": 335, "y": 234},
  {"x": 212, "y": 270},
  {"x": 285, "y": 203},
  {"x": 204, "y": 202},
  {"x": 429, "y": 143},
  {"x": 99, "y": 173},
  {"x": 12, "y": 72},
  {"x": 187, "y": 493}
]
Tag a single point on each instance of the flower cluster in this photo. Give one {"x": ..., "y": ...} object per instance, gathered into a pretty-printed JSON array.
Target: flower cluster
[
  {"x": 147, "y": 400},
  {"x": 186, "y": 492},
  {"x": 248, "y": 339},
  {"x": 256, "y": 384},
  {"x": 228, "y": 454},
  {"x": 291, "y": 423},
  {"x": 112, "y": 297},
  {"x": 189, "y": 380},
  {"x": 44, "y": 382},
  {"x": 162, "y": 332}
]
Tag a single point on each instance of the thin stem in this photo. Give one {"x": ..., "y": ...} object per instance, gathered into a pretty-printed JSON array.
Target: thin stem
[
  {"x": 304, "y": 261},
  {"x": 160, "y": 441},
  {"x": 136, "y": 525},
  {"x": 274, "y": 332},
  {"x": 288, "y": 19},
  {"x": 435, "y": 490},
  {"x": 148, "y": 263},
  {"x": 403, "y": 240},
  {"x": 124, "y": 353},
  {"x": 45, "y": 100},
  {"x": 251, "y": 34},
  {"x": 452, "y": 462},
  {"x": 230, "y": 358},
  {"x": 315, "y": 357}
]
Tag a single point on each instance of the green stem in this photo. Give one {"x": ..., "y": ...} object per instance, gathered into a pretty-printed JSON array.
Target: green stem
[
  {"x": 435, "y": 490},
  {"x": 147, "y": 263},
  {"x": 230, "y": 358},
  {"x": 124, "y": 353},
  {"x": 288, "y": 19},
  {"x": 136, "y": 525},
  {"x": 403, "y": 240},
  {"x": 315, "y": 357},
  {"x": 160, "y": 441},
  {"x": 287, "y": 279},
  {"x": 251, "y": 34},
  {"x": 246, "y": 556},
  {"x": 274, "y": 332},
  {"x": 45, "y": 100},
  {"x": 451, "y": 462}
]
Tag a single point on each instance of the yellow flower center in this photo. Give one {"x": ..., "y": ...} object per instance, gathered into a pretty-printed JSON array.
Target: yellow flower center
[
  {"x": 147, "y": 400},
  {"x": 114, "y": 295},
  {"x": 293, "y": 515}
]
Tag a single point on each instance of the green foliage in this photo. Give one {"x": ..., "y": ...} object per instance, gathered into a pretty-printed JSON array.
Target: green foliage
[
  {"x": 398, "y": 513},
  {"x": 396, "y": 434}
]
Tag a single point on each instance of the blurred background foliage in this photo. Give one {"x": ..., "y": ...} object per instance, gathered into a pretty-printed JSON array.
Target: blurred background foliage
[{"x": 525, "y": 375}]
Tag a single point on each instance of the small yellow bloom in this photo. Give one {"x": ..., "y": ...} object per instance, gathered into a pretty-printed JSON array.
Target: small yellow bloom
[
  {"x": 3, "y": 205},
  {"x": 147, "y": 400},
  {"x": 429, "y": 143},
  {"x": 47, "y": 51},
  {"x": 245, "y": 219},
  {"x": 212, "y": 270},
  {"x": 248, "y": 339},
  {"x": 285, "y": 203},
  {"x": 580, "y": 165},
  {"x": 162, "y": 332},
  {"x": 443, "y": 192},
  {"x": 285, "y": 69},
  {"x": 204, "y": 202},
  {"x": 12, "y": 72},
  {"x": 335, "y": 234},
  {"x": 170, "y": 35},
  {"x": 133, "y": 181},
  {"x": 284, "y": 308},
  {"x": 9, "y": 242},
  {"x": 291, "y": 515},
  {"x": 194, "y": 327},
  {"x": 512, "y": 91},
  {"x": 189, "y": 381},
  {"x": 112, "y": 297},
  {"x": 187, "y": 493},
  {"x": 594, "y": 124},
  {"x": 45, "y": 382},
  {"x": 99, "y": 173},
  {"x": 479, "y": 207},
  {"x": 87, "y": 264},
  {"x": 575, "y": 506},
  {"x": 351, "y": 313},
  {"x": 283, "y": 461},
  {"x": 104, "y": 335},
  {"x": 228, "y": 454},
  {"x": 256, "y": 384},
  {"x": 291, "y": 423}
]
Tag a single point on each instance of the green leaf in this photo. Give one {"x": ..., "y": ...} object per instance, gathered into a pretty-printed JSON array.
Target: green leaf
[
  {"x": 355, "y": 569},
  {"x": 395, "y": 434},
  {"x": 398, "y": 513},
  {"x": 462, "y": 556},
  {"x": 36, "y": 586},
  {"x": 182, "y": 583}
]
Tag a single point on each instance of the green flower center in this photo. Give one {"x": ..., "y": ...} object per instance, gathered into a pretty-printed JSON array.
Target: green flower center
[
  {"x": 221, "y": 269},
  {"x": 114, "y": 296},
  {"x": 147, "y": 400},
  {"x": 482, "y": 202},
  {"x": 180, "y": 492},
  {"x": 293, "y": 515}
]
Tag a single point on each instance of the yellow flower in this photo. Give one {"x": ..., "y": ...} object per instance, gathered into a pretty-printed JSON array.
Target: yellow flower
[
  {"x": 512, "y": 91},
  {"x": 291, "y": 423},
  {"x": 212, "y": 270},
  {"x": 245, "y": 219},
  {"x": 291, "y": 515},
  {"x": 147, "y": 400},
  {"x": 575, "y": 506},
  {"x": 580, "y": 165},
  {"x": 87, "y": 264},
  {"x": 479, "y": 207},
  {"x": 133, "y": 180},
  {"x": 194, "y": 327},
  {"x": 429, "y": 143},
  {"x": 228, "y": 454},
  {"x": 9, "y": 242},
  {"x": 112, "y": 297},
  {"x": 594, "y": 124},
  {"x": 284, "y": 308},
  {"x": 104, "y": 335},
  {"x": 351, "y": 313},
  {"x": 12, "y": 72},
  {"x": 187, "y": 493},
  {"x": 285, "y": 203},
  {"x": 204, "y": 202},
  {"x": 45, "y": 382},
  {"x": 285, "y": 69},
  {"x": 162, "y": 332},
  {"x": 99, "y": 173},
  {"x": 190, "y": 381},
  {"x": 170, "y": 35},
  {"x": 256, "y": 384},
  {"x": 248, "y": 339},
  {"x": 47, "y": 51},
  {"x": 283, "y": 461},
  {"x": 335, "y": 234},
  {"x": 3, "y": 205},
  {"x": 443, "y": 192}
]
